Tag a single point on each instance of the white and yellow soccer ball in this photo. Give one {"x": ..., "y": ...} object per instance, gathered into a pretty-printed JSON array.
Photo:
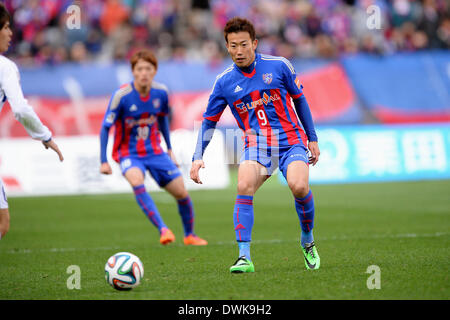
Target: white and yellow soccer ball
[{"x": 124, "y": 271}]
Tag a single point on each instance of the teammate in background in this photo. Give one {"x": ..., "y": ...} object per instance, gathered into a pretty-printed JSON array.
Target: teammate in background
[
  {"x": 11, "y": 90},
  {"x": 138, "y": 110},
  {"x": 258, "y": 88}
]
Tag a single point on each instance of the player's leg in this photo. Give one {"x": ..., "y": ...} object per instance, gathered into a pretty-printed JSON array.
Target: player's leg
[
  {"x": 134, "y": 173},
  {"x": 297, "y": 179},
  {"x": 297, "y": 176},
  {"x": 251, "y": 175},
  {"x": 186, "y": 210},
  {"x": 4, "y": 222},
  {"x": 4, "y": 212}
]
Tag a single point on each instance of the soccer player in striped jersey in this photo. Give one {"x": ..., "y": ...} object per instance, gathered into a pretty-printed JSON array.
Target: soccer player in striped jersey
[
  {"x": 11, "y": 90},
  {"x": 139, "y": 110},
  {"x": 265, "y": 96}
]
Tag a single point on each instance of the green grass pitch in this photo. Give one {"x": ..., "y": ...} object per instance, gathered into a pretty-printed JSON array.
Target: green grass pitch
[{"x": 403, "y": 228}]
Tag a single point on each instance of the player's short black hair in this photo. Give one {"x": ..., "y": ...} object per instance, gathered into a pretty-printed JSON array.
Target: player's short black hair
[
  {"x": 4, "y": 16},
  {"x": 237, "y": 24}
]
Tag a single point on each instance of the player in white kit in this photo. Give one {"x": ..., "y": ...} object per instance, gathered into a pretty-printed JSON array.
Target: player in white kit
[{"x": 11, "y": 90}]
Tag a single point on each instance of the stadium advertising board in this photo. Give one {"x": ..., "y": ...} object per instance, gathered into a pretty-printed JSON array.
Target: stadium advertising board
[
  {"x": 375, "y": 153},
  {"x": 27, "y": 170}
]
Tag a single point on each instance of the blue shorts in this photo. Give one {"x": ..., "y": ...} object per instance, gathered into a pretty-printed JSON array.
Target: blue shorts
[
  {"x": 160, "y": 166},
  {"x": 281, "y": 157}
]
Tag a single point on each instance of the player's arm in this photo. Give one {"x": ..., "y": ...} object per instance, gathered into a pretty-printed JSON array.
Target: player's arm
[
  {"x": 23, "y": 112},
  {"x": 214, "y": 110},
  {"x": 164, "y": 128},
  {"x": 108, "y": 121},
  {"x": 303, "y": 111},
  {"x": 105, "y": 168}
]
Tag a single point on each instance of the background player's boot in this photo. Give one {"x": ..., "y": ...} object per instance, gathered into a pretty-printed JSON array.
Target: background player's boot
[
  {"x": 242, "y": 265},
  {"x": 194, "y": 240},
  {"x": 312, "y": 259},
  {"x": 167, "y": 236}
]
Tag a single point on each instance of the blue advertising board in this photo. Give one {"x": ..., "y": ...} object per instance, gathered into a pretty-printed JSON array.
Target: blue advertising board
[{"x": 375, "y": 153}]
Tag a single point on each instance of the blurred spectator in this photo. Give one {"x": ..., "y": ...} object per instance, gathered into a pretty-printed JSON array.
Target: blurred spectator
[
  {"x": 114, "y": 13},
  {"x": 193, "y": 30},
  {"x": 78, "y": 52},
  {"x": 443, "y": 33}
]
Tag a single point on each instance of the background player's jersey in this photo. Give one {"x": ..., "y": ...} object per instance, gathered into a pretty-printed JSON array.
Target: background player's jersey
[
  {"x": 260, "y": 102},
  {"x": 135, "y": 120}
]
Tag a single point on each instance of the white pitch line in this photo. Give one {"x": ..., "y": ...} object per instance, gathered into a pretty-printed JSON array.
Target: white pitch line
[
  {"x": 60, "y": 250},
  {"x": 269, "y": 241},
  {"x": 338, "y": 238}
]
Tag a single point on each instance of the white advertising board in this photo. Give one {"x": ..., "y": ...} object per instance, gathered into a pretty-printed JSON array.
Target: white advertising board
[{"x": 28, "y": 169}]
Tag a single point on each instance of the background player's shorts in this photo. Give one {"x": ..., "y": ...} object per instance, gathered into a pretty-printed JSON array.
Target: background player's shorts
[
  {"x": 281, "y": 157},
  {"x": 160, "y": 166},
  {"x": 3, "y": 199}
]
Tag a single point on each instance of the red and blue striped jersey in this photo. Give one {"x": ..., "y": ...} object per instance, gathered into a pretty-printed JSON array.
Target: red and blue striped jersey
[
  {"x": 260, "y": 102},
  {"x": 135, "y": 120}
]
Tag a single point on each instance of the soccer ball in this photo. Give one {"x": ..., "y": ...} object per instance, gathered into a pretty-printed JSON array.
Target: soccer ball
[{"x": 124, "y": 271}]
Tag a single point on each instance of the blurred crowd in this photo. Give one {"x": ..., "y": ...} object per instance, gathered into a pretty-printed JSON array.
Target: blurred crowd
[{"x": 192, "y": 30}]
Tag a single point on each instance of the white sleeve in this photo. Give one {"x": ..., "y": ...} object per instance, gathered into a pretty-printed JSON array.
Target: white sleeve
[{"x": 23, "y": 112}]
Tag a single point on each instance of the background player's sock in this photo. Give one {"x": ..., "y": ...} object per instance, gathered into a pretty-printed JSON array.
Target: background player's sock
[
  {"x": 148, "y": 207},
  {"x": 244, "y": 249},
  {"x": 305, "y": 212},
  {"x": 243, "y": 221},
  {"x": 186, "y": 211}
]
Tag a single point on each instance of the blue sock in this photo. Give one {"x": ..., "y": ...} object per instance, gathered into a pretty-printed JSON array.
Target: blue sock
[
  {"x": 243, "y": 222},
  {"x": 186, "y": 211},
  {"x": 305, "y": 212},
  {"x": 148, "y": 207},
  {"x": 244, "y": 249},
  {"x": 307, "y": 237}
]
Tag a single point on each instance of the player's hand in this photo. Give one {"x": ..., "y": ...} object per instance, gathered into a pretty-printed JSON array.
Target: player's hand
[
  {"x": 195, "y": 168},
  {"x": 105, "y": 168},
  {"x": 313, "y": 147},
  {"x": 52, "y": 145},
  {"x": 172, "y": 157}
]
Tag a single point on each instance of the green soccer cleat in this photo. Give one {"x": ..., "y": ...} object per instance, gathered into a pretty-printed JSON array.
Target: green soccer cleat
[
  {"x": 242, "y": 265},
  {"x": 312, "y": 259}
]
